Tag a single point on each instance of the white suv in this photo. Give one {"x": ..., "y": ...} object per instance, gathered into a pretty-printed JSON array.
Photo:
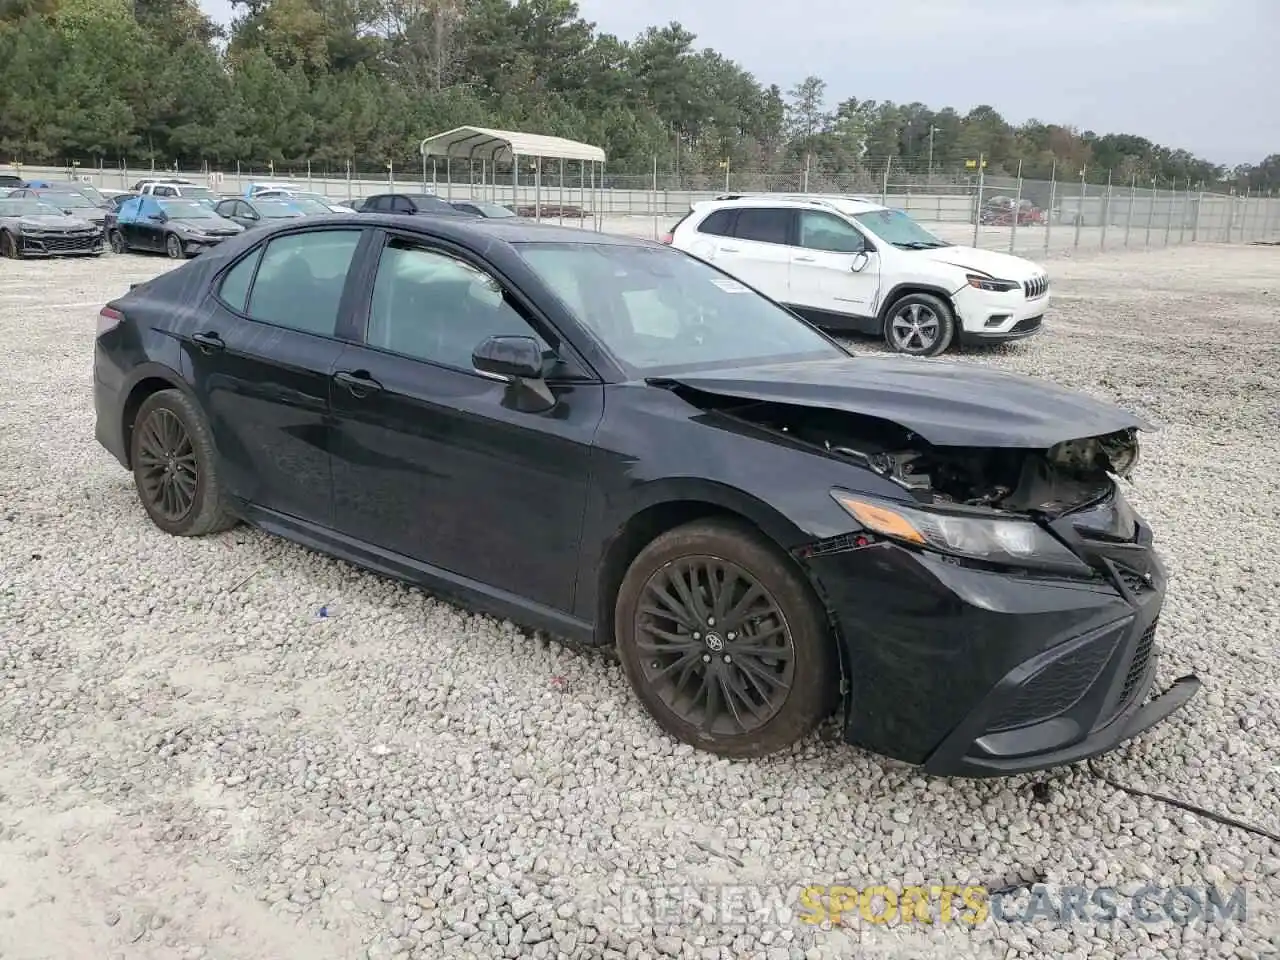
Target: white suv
[{"x": 850, "y": 265}]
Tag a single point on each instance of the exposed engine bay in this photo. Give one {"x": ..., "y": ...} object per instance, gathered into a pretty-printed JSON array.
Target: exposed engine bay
[{"x": 1052, "y": 482}]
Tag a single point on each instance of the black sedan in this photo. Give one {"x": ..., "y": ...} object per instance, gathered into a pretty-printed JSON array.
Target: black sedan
[
  {"x": 610, "y": 440},
  {"x": 251, "y": 214},
  {"x": 482, "y": 208},
  {"x": 411, "y": 204},
  {"x": 178, "y": 228}
]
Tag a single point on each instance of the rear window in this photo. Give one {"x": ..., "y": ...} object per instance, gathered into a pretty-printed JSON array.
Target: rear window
[
  {"x": 719, "y": 224},
  {"x": 764, "y": 224}
]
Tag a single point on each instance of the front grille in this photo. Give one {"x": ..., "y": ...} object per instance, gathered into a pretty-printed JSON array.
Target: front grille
[
  {"x": 78, "y": 242},
  {"x": 1138, "y": 665},
  {"x": 1027, "y": 325},
  {"x": 1036, "y": 288},
  {"x": 1054, "y": 689}
]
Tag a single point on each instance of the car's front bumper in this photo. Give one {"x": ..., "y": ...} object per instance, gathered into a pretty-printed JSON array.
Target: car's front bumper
[
  {"x": 971, "y": 671},
  {"x": 193, "y": 246},
  {"x": 986, "y": 317},
  {"x": 60, "y": 245}
]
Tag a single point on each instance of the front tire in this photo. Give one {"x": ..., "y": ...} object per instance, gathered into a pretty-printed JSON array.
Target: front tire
[
  {"x": 919, "y": 325},
  {"x": 723, "y": 641},
  {"x": 175, "y": 468},
  {"x": 9, "y": 246},
  {"x": 173, "y": 247},
  {"x": 116, "y": 239}
]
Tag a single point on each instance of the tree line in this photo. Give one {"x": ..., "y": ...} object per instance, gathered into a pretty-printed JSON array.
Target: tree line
[{"x": 335, "y": 82}]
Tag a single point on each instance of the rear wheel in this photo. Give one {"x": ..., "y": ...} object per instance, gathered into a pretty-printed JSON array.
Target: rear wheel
[
  {"x": 920, "y": 325},
  {"x": 9, "y": 246},
  {"x": 723, "y": 642},
  {"x": 175, "y": 468}
]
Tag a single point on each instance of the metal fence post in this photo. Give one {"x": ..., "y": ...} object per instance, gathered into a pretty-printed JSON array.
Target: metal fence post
[
  {"x": 1080, "y": 210},
  {"x": 1151, "y": 212},
  {"x": 1168, "y": 220},
  {"x": 1128, "y": 220},
  {"x": 1017, "y": 211},
  {"x": 1053, "y": 193},
  {"x": 1266, "y": 220},
  {"x": 884, "y": 187},
  {"x": 1231, "y": 215},
  {"x": 977, "y": 211},
  {"x": 1182, "y": 215},
  {"x": 655, "y": 196},
  {"x": 1106, "y": 214},
  {"x": 1195, "y": 223}
]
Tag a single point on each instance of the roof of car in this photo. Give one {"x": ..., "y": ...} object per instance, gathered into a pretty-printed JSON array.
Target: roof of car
[
  {"x": 504, "y": 229},
  {"x": 848, "y": 205}
]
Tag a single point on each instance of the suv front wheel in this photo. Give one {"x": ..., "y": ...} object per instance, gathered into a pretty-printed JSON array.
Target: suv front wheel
[{"x": 920, "y": 325}]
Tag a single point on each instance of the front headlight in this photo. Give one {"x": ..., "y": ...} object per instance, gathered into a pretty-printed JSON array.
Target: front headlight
[
  {"x": 1004, "y": 540},
  {"x": 991, "y": 285}
]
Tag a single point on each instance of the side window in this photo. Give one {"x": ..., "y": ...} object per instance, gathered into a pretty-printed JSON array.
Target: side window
[
  {"x": 380, "y": 204},
  {"x": 300, "y": 282},
  {"x": 164, "y": 192},
  {"x": 234, "y": 289},
  {"x": 822, "y": 231},
  {"x": 403, "y": 205},
  {"x": 719, "y": 224},
  {"x": 764, "y": 224},
  {"x": 431, "y": 306}
]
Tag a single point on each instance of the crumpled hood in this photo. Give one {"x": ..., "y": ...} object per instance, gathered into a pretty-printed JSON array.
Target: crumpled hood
[
  {"x": 208, "y": 225},
  {"x": 1002, "y": 266},
  {"x": 947, "y": 404}
]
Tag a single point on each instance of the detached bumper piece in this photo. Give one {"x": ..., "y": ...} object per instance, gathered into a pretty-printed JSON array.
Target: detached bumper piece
[{"x": 82, "y": 242}]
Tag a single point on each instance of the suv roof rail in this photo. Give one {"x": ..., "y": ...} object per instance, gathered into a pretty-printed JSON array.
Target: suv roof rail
[{"x": 820, "y": 199}]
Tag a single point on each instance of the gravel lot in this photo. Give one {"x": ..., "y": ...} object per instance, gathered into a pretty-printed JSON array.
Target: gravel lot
[{"x": 196, "y": 763}]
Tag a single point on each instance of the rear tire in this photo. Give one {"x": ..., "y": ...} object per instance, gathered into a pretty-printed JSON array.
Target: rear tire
[
  {"x": 766, "y": 671},
  {"x": 175, "y": 467},
  {"x": 919, "y": 325}
]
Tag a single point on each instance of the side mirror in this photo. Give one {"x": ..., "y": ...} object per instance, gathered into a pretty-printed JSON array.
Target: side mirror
[
  {"x": 157, "y": 217},
  {"x": 519, "y": 361},
  {"x": 860, "y": 261},
  {"x": 517, "y": 358}
]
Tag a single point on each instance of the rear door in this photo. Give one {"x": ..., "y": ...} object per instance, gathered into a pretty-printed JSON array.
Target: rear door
[
  {"x": 261, "y": 364},
  {"x": 759, "y": 252}
]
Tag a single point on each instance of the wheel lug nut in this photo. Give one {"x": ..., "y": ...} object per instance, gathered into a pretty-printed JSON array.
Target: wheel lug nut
[
  {"x": 706, "y": 658},
  {"x": 697, "y": 635},
  {"x": 731, "y": 635},
  {"x": 728, "y": 659},
  {"x": 711, "y": 621},
  {"x": 655, "y": 664}
]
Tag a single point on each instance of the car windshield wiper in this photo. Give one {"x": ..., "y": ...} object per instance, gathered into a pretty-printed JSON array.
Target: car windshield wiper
[{"x": 921, "y": 244}]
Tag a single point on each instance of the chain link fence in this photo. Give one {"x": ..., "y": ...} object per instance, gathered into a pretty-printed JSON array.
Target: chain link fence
[{"x": 1055, "y": 216}]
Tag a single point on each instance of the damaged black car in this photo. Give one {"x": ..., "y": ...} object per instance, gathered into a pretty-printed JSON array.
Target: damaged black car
[{"x": 609, "y": 440}]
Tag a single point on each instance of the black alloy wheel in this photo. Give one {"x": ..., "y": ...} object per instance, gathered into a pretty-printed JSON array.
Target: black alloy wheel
[
  {"x": 724, "y": 643},
  {"x": 173, "y": 247},
  {"x": 116, "y": 239},
  {"x": 168, "y": 472},
  {"x": 175, "y": 467}
]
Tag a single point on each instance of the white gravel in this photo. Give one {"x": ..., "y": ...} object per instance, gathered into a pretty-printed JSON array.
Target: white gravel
[{"x": 195, "y": 763}]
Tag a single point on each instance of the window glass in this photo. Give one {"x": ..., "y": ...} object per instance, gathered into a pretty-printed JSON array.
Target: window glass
[
  {"x": 895, "y": 227},
  {"x": 299, "y": 284},
  {"x": 234, "y": 290},
  {"x": 764, "y": 225},
  {"x": 660, "y": 310},
  {"x": 717, "y": 224},
  {"x": 433, "y": 307},
  {"x": 822, "y": 231}
]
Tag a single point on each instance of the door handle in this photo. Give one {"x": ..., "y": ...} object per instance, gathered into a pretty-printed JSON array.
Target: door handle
[
  {"x": 729, "y": 249},
  {"x": 208, "y": 342},
  {"x": 359, "y": 383},
  {"x": 806, "y": 259}
]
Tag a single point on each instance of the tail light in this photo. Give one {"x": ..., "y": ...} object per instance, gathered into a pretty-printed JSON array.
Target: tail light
[
  {"x": 667, "y": 238},
  {"x": 108, "y": 319}
]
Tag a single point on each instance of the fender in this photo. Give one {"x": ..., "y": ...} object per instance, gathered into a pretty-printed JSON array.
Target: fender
[{"x": 907, "y": 286}]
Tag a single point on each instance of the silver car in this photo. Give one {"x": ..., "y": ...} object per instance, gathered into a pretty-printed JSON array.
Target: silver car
[{"x": 29, "y": 227}]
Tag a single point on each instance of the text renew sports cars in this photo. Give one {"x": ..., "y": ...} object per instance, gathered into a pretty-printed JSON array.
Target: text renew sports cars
[{"x": 608, "y": 439}]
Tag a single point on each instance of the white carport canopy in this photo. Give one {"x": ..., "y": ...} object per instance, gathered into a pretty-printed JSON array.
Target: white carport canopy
[{"x": 492, "y": 147}]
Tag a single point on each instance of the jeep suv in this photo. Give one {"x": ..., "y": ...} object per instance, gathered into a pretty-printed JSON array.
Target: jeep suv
[{"x": 849, "y": 265}]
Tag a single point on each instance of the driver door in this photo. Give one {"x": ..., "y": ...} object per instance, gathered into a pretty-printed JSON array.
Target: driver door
[
  {"x": 147, "y": 230},
  {"x": 434, "y": 460},
  {"x": 823, "y": 275}
]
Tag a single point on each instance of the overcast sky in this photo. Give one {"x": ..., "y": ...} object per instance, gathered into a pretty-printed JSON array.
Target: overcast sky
[{"x": 1197, "y": 74}]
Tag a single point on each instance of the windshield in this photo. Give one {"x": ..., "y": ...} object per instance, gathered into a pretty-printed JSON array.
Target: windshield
[
  {"x": 198, "y": 193},
  {"x": 27, "y": 207},
  {"x": 657, "y": 309},
  {"x": 86, "y": 190},
  {"x": 895, "y": 227},
  {"x": 307, "y": 205},
  {"x": 275, "y": 209},
  {"x": 186, "y": 210},
  {"x": 68, "y": 200},
  {"x": 491, "y": 209}
]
